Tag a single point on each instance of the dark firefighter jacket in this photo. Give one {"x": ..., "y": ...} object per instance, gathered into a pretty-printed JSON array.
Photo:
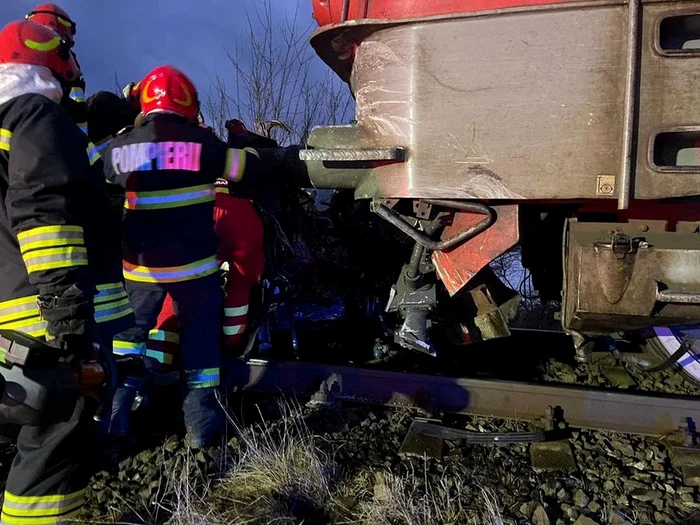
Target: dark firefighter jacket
[
  {"x": 52, "y": 226},
  {"x": 168, "y": 167},
  {"x": 107, "y": 114}
]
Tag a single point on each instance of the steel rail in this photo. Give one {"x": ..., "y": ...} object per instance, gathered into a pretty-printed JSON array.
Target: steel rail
[{"x": 583, "y": 407}]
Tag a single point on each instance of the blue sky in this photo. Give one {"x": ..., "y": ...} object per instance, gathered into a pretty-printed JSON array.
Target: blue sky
[{"x": 130, "y": 37}]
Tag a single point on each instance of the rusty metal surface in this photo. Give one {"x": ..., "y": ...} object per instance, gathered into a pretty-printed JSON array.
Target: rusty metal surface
[
  {"x": 653, "y": 415},
  {"x": 456, "y": 267},
  {"x": 606, "y": 292}
]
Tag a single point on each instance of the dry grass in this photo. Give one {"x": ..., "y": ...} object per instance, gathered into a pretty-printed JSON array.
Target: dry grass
[
  {"x": 405, "y": 500},
  {"x": 188, "y": 491},
  {"x": 279, "y": 475}
]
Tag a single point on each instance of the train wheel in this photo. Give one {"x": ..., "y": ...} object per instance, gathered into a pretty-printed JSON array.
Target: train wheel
[{"x": 664, "y": 341}]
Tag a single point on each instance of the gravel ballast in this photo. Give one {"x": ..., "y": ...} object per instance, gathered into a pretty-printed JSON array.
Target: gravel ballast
[{"x": 618, "y": 479}]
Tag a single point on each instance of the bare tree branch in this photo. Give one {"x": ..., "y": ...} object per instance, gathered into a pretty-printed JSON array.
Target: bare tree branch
[{"x": 276, "y": 76}]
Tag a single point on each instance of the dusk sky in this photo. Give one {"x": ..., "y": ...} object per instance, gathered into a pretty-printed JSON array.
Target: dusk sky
[{"x": 130, "y": 37}]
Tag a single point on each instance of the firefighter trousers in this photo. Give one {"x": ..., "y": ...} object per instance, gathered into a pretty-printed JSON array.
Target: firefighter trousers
[
  {"x": 49, "y": 474},
  {"x": 241, "y": 238},
  {"x": 197, "y": 304},
  {"x": 164, "y": 340},
  {"x": 241, "y": 243},
  {"x": 47, "y": 479}
]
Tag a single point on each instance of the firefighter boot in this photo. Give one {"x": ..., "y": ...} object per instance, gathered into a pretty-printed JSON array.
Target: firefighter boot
[{"x": 204, "y": 417}]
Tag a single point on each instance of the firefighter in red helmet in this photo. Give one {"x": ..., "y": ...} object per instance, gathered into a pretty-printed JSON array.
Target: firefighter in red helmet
[
  {"x": 52, "y": 16},
  {"x": 167, "y": 165},
  {"x": 51, "y": 228},
  {"x": 106, "y": 115},
  {"x": 241, "y": 255}
]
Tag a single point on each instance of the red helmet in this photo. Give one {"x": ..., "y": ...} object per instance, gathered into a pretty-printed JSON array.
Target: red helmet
[
  {"x": 167, "y": 89},
  {"x": 25, "y": 42},
  {"x": 50, "y": 15}
]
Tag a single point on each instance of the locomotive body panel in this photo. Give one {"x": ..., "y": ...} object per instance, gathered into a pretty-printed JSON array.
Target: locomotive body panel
[{"x": 523, "y": 103}]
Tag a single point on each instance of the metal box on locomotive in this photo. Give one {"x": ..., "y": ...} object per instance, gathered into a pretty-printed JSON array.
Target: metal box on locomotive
[{"x": 583, "y": 114}]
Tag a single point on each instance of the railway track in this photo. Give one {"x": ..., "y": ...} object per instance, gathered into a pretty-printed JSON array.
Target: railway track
[{"x": 648, "y": 414}]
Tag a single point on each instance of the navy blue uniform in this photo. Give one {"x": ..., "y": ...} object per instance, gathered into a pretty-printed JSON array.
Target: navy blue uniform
[{"x": 167, "y": 167}]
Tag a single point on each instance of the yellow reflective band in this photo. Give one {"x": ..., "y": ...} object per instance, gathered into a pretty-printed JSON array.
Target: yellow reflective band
[
  {"x": 55, "y": 258},
  {"x": 222, "y": 189},
  {"x": 164, "y": 199},
  {"x": 112, "y": 310},
  {"x": 5, "y": 137},
  {"x": 235, "y": 164},
  {"x": 41, "y": 510},
  {"x": 172, "y": 274},
  {"x": 128, "y": 348},
  {"x": 64, "y": 21},
  {"x": 107, "y": 287},
  {"x": 43, "y": 46},
  {"x": 22, "y": 314},
  {"x": 109, "y": 293},
  {"x": 77, "y": 94},
  {"x": 53, "y": 498},
  {"x": 165, "y": 336},
  {"x": 48, "y": 236},
  {"x": 93, "y": 154},
  {"x": 33, "y": 326},
  {"x": 83, "y": 126},
  {"x": 64, "y": 519},
  {"x": 18, "y": 309}
]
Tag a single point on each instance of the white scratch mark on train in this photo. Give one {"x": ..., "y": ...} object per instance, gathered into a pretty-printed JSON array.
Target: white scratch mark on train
[{"x": 474, "y": 153}]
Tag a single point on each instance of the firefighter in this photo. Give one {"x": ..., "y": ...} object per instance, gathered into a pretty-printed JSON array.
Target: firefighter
[
  {"x": 50, "y": 233},
  {"x": 107, "y": 115},
  {"x": 241, "y": 253},
  {"x": 167, "y": 165},
  {"x": 99, "y": 121},
  {"x": 54, "y": 17},
  {"x": 241, "y": 256}
]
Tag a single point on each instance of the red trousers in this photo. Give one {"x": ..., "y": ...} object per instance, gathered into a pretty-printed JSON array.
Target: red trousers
[{"x": 240, "y": 233}]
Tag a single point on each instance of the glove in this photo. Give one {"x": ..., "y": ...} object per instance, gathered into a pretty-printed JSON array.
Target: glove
[
  {"x": 70, "y": 321},
  {"x": 129, "y": 371}
]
